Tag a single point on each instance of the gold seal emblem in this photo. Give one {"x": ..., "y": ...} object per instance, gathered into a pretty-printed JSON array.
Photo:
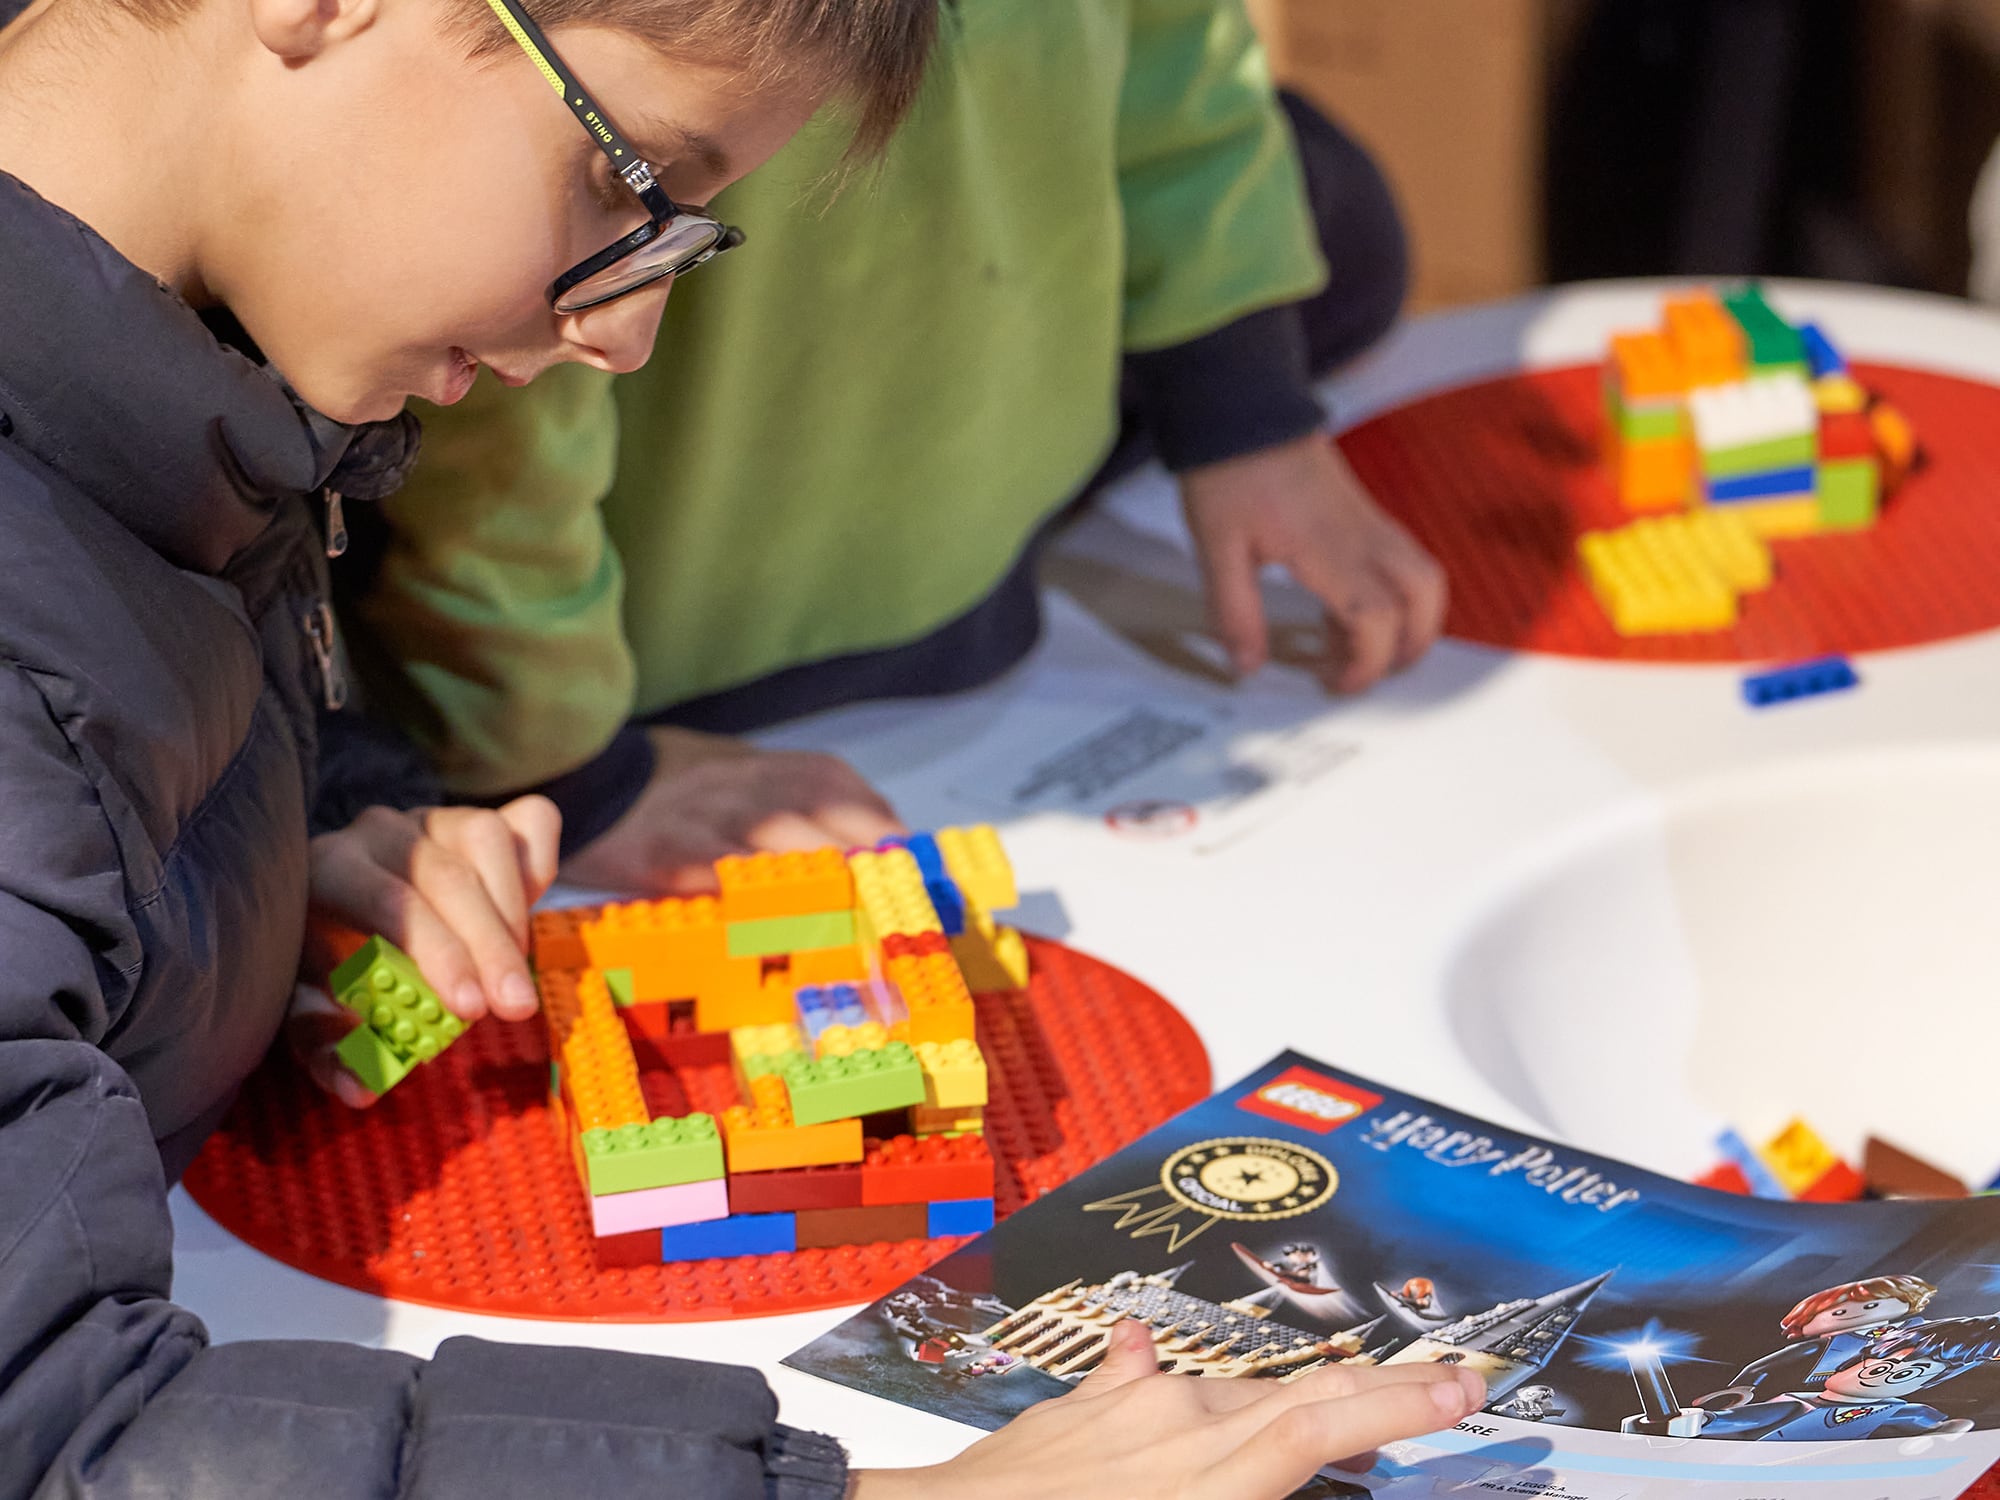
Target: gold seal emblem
[{"x": 1246, "y": 1178}]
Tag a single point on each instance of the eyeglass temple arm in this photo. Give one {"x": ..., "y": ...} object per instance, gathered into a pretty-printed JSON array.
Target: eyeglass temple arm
[{"x": 522, "y": 28}]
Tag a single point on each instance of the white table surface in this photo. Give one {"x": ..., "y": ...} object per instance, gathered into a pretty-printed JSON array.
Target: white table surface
[{"x": 1474, "y": 883}]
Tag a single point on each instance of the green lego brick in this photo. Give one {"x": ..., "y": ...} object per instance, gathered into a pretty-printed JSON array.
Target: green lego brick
[
  {"x": 1773, "y": 343},
  {"x": 771, "y": 935},
  {"x": 1849, "y": 493},
  {"x": 619, "y": 982},
  {"x": 1648, "y": 423},
  {"x": 861, "y": 1083},
  {"x": 368, "y": 1058},
  {"x": 380, "y": 983},
  {"x": 1796, "y": 452},
  {"x": 665, "y": 1153}
]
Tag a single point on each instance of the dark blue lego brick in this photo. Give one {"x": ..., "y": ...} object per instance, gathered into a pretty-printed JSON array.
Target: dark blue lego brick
[
  {"x": 930, "y": 859},
  {"x": 739, "y": 1234},
  {"x": 1830, "y": 674},
  {"x": 950, "y": 905},
  {"x": 961, "y": 1216},
  {"x": 1821, "y": 357},
  {"x": 1763, "y": 486}
]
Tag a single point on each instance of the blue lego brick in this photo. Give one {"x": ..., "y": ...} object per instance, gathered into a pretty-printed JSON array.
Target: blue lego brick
[
  {"x": 1763, "y": 1182},
  {"x": 961, "y": 1216},
  {"x": 1821, "y": 357},
  {"x": 950, "y": 904},
  {"x": 1831, "y": 674},
  {"x": 821, "y": 1006},
  {"x": 930, "y": 859},
  {"x": 1762, "y": 486},
  {"x": 721, "y": 1239}
]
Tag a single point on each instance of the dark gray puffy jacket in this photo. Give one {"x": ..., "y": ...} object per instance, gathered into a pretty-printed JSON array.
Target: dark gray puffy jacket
[{"x": 162, "y": 581}]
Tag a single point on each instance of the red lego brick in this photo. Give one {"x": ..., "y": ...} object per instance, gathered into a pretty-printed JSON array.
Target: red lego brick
[
  {"x": 909, "y": 1170},
  {"x": 1840, "y": 1183},
  {"x": 921, "y": 945},
  {"x": 795, "y": 1189},
  {"x": 651, "y": 1019},
  {"x": 664, "y": 1095},
  {"x": 1845, "y": 435},
  {"x": 623, "y": 1252},
  {"x": 1725, "y": 1177},
  {"x": 822, "y": 1228}
]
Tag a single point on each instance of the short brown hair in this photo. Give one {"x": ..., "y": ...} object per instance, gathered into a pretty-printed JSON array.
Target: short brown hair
[
  {"x": 870, "y": 54},
  {"x": 1912, "y": 1291}
]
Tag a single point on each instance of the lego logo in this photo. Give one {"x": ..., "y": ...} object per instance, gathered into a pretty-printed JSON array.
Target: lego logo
[{"x": 1309, "y": 1100}]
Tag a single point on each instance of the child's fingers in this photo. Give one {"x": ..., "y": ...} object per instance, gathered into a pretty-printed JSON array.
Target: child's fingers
[
  {"x": 451, "y": 891},
  {"x": 314, "y": 1027},
  {"x": 1131, "y": 1356},
  {"x": 486, "y": 842},
  {"x": 1416, "y": 575},
  {"x": 1329, "y": 1384},
  {"x": 1235, "y": 603},
  {"x": 783, "y": 832},
  {"x": 1275, "y": 1456},
  {"x": 860, "y": 825},
  {"x": 536, "y": 823}
]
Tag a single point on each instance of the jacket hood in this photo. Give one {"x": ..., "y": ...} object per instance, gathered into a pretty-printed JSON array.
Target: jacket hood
[{"x": 110, "y": 379}]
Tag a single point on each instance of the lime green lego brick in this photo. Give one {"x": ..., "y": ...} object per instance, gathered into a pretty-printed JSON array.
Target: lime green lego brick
[
  {"x": 1850, "y": 494},
  {"x": 1772, "y": 342},
  {"x": 381, "y": 984},
  {"x": 1757, "y": 458},
  {"x": 771, "y": 935},
  {"x": 861, "y": 1083},
  {"x": 1649, "y": 423},
  {"x": 665, "y": 1153},
  {"x": 368, "y": 1058},
  {"x": 619, "y": 982}
]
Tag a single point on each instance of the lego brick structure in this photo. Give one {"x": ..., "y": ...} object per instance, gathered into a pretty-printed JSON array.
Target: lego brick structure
[
  {"x": 460, "y": 1189},
  {"x": 1499, "y": 479}
]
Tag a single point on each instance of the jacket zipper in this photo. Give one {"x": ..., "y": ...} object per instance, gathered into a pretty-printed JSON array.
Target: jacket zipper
[
  {"x": 318, "y": 624},
  {"x": 336, "y": 523}
]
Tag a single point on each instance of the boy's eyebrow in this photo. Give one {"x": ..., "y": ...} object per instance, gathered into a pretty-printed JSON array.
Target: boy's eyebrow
[{"x": 665, "y": 141}]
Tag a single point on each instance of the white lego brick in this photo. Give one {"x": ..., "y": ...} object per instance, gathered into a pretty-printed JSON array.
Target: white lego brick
[{"x": 1752, "y": 411}]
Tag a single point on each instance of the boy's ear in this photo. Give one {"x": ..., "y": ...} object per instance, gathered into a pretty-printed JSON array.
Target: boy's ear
[{"x": 300, "y": 29}]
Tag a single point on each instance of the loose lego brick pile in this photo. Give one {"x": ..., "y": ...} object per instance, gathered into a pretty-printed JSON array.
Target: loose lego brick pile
[
  {"x": 1797, "y": 1165},
  {"x": 1501, "y": 478},
  {"x": 460, "y": 1189},
  {"x": 836, "y": 988}
]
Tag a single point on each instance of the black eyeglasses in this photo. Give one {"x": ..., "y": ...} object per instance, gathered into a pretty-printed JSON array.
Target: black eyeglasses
[{"x": 672, "y": 240}]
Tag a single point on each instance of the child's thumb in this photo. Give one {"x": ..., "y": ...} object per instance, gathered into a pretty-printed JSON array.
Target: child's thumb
[{"x": 1129, "y": 1357}]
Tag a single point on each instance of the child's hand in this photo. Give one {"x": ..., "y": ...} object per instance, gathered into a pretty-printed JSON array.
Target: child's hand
[
  {"x": 710, "y": 796},
  {"x": 1128, "y": 1430},
  {"x": 1299, "y": 505},
  {"x": 451, "y": 887}
]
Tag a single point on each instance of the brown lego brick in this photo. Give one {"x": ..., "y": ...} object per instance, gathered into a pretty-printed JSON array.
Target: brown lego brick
[
  {"x": 1892, "y": 1172},
  {"x": 622, "y": 1252},
  {"x": 824, "y": 1228},
  {"x": 796, "y": 1189}
]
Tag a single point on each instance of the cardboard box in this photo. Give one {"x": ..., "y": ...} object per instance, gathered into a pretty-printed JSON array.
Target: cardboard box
[{"x": 1451, "y": 97}]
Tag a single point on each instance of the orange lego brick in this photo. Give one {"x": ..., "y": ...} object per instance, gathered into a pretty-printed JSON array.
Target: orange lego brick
[
  {"x": 935, "y": 996},
  {"x": 821, "y": 966},
  {"x": 1707, "y": 340},
  {"x": 925, "y": 1120},
  {"x": 1646, "y": 367},
  {"x": 556, "y": 940},
  {"x": 598, "y": 1074},
  {"x": 766, "y": 1001},
  {"x": 797, "y": 883},
  {"x": 1895, "y": 440},
  {"x": 673, "y": 933},
  {"x": 1653, "y": 475},
  {"x": 761, "y": 1137},
  {"x": 909, "y": 1170}
]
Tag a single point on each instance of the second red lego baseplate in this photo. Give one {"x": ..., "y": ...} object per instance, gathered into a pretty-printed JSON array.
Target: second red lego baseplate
[
  {"x": 458, "y": 1191},
  {"x": 1498, "y": 480}
]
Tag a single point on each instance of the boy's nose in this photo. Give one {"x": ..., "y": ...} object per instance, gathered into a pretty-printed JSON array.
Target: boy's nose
[{"x": 617, "y": 336}]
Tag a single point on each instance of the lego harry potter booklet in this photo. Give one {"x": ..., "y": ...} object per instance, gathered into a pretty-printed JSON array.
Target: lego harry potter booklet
[{"x": 1639, "y": 1336}]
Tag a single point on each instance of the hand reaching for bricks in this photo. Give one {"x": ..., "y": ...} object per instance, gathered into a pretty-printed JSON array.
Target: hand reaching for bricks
[
  {"x": 452, "y": 887},
  {"x": 1129, "y": 1430}
]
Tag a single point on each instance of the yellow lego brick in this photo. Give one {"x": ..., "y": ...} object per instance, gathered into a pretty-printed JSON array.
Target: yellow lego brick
[
  {"x": 954, "y": 1074},
  {"x": 1655, "y": 577},
  {"x": 927, "y": 1121},
  {"x": 1728, "y": 543},
  {"x": 978, "y": 865},
  {"x": 843, "y": 1041},
  {"x": 1839, "y": 395},
  {"x": 761, "y": 1136},
  {"x": 935, "y": 996},
  {"x": 796, "y": 883},
  {"x": 889, "y": 896},
  {"x": 1797, "y": 1157},
  {"x": 766, "y": 1041},
  {"x": 592, "y": 1051},
  {"x": 1780, "y": 519}
]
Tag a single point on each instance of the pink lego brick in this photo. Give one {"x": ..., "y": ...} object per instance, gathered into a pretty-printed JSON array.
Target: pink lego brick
[{"x": 656, "y": 1208}]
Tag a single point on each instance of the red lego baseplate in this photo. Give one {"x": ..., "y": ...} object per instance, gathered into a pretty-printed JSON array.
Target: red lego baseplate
[
  {"x": 1499, "y": 479},
  {"x": 457, "y": 1190}
]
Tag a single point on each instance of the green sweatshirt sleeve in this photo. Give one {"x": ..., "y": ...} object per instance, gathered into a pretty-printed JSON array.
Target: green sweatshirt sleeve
[
  {"x": 493, "y": 630},
  {"x": 1216, "y": 220}
]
